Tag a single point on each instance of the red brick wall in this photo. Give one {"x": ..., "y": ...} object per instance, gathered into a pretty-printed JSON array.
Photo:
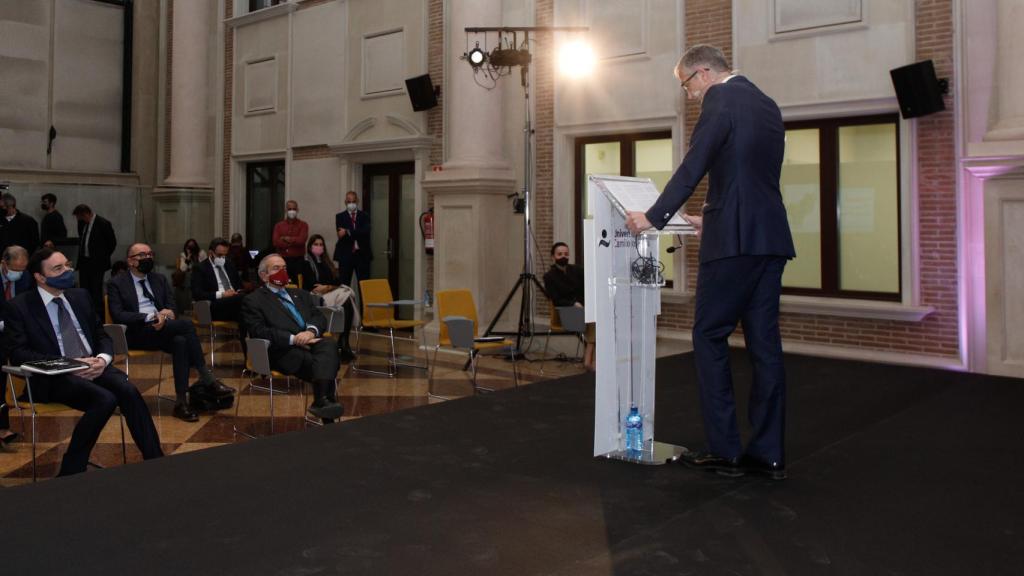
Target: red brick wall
[
  {"x": 543, "y": 93},
  {"x": 709, "y": 21},
  {"x": 229, "y": 83},
  {"x": 435, "y": 116}
]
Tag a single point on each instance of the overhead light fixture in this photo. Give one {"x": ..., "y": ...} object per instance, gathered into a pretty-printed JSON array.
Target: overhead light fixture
[
  {"x": 576, "y": 59},
  {"x": 476, "y": 56},
  {"x": 509, "y": 57}
]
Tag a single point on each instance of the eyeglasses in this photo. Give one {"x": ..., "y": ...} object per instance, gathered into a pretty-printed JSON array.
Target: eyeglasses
[
  {"x": 142, "y": 255},
  {"x": 690, "y": 77}
]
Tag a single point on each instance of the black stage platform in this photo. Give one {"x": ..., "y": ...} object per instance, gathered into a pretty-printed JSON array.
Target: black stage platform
[{"x": 893, "y": 470}]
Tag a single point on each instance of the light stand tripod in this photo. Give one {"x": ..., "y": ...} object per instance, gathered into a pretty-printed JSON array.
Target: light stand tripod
[{"x": 527, "y": 279}]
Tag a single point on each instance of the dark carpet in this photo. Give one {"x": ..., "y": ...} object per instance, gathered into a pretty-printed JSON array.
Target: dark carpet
[{"x": 893, "y": 470}]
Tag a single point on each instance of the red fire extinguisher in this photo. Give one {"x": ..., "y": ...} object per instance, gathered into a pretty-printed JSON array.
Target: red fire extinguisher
[{"x": 427, "y": 230}]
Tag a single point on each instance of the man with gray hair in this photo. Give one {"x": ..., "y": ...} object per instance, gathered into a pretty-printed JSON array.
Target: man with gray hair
[
  {"x": 16, "y": 227},
  {"x": 290, "y": 319},
  {"x": 739, "y": 142},
  {"x": 15, "y": 281}
]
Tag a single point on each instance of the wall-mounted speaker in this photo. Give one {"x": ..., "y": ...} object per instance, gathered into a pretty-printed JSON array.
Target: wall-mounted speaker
[
  {"x": 422, "y": 92},
  {"x": 918, "y": 90}
]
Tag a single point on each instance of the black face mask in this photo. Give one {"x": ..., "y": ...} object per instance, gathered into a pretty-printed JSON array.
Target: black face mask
[
  {"x": 146, "y": 266},
  {"x": 562, "y": 261},
  {"x": 44, "y": 206}
]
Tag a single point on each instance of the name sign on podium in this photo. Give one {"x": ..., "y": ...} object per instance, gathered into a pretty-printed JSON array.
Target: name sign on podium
[{"x": 623, "y": 284}]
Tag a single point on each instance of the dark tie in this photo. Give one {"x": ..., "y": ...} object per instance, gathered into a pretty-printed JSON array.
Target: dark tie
[
  {"x": 291, "y": 308},
  {"x": 8, "y": 289},
  {"x": 147, "y": 293},
  {"x": 223, "y": 277},
  {"x": 73, "y": 347}
]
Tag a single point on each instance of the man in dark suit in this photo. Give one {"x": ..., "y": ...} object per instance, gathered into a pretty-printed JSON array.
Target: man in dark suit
[
  {"x": 15, "y": 281},
  {"x": 142, "y": 300},
  {"x": 56, "y": 320},
  {"x": 352, "y": 252},
  {"x": 216, "y": 279},
  {"x": 17, "y": 228},
  {"x": 96, "y": 242},
  {"x": 52, "y": 227},
  {"x": 745, "y": 243},
  {"x": 291, "y": 321}
]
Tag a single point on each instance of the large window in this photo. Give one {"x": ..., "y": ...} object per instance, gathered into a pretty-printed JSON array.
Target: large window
[
  {"x": 264, "y": 202},
  {"x": 840, "y": 182},
  {"x": 646, "y": 155},
  {"x": 255, "y": 5}
]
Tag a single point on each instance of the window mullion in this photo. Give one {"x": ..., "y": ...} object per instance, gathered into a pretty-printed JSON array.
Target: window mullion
[{"x": 829, "y": 148}]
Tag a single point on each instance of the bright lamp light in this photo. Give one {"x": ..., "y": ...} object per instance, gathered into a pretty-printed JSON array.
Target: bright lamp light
[
  {"x": 576, "y": 59},
  {"x": 476, "y": 56}
]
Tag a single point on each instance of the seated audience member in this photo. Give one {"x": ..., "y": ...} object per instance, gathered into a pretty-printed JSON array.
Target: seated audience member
[
  {"x": 564, "y": 284},
  {"x": 56, "y": 320},
  {"x": 181, "y": 278},
  {"x": 291, "y": 321},
  {"x": 320, "y": 277},
  {"x": 215, "y": 279},
  {"x": 238, "y": 254},
  {"x": 15, "y": 282},
  {"x": 142, "y": 301}
]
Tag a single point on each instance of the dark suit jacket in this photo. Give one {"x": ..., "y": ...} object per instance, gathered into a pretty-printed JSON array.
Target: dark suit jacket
[
  {"x": 102, "y": 242},
  {"x": 24, "y": 284},
  {"x": 124, "y": 300},
  {"x": 361, "y": 233},
  {"x": 265, "y": 316},
  {"x": 204, "y": 280},
  {"x": 22, "y": 230},
  {"x": 739, "y": 140},
  {"x": 28, "y": 334},
  {"x": 52, "y": 227}
]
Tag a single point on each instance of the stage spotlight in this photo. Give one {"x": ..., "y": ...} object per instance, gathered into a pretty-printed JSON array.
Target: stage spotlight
[
  {"x": 476, "y": 56},
  {"x": 576, "y": 59}
]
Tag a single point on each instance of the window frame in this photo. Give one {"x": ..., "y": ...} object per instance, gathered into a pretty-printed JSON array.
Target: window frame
[{"x": 828, "y": 157}]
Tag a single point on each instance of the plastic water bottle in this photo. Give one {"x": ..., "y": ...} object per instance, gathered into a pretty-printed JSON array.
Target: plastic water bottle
[
  {"x": 428, "y": 298},
  {"x": 634, "y": 431}
]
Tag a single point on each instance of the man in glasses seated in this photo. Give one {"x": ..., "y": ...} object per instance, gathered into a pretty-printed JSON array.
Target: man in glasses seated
[{"x": 143, "y": 301}]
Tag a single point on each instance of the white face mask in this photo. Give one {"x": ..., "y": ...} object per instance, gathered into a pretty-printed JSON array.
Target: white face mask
[
  {"x": 351, "y": 206},
  {"x": 218, "y": 261},
  {"x": 292, "y": 214}
]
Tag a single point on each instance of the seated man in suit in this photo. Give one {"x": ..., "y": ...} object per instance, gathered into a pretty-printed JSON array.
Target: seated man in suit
[
  {"x": 15, "y": 281},
  {"x": 216, "y": 279},
  {"x": 142, "y": 300},
  {"x": 54, "y": 320},
  {"x": 290, "y": 319}
]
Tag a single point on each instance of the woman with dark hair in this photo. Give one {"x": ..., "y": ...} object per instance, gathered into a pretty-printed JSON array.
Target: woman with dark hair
[
  {"x": 190, "y": 256},
  {"x": 320, "y": 277}
]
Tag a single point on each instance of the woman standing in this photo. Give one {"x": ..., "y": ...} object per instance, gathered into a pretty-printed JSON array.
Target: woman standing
[
  {"x": 190, "y": 256},
  {"x": 320, "y": 276}
]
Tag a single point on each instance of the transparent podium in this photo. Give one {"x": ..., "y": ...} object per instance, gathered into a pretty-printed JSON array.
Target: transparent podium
[{"x": 623, "y": 283}]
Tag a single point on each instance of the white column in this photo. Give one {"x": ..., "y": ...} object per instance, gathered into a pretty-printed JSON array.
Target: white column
[
  {"x": 189, "y": 91},
  {"x": 1009, "y": 81},
  {"x": 475, "y": 114}
]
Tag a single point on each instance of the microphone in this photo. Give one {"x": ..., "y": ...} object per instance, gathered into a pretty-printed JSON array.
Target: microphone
[{"x": 672, "y": 249}]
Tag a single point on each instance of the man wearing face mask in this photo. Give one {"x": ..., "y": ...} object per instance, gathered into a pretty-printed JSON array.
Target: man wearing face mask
[
  {"x": 57, "y": 320},
  {"x": 291, "y": 320},
  {"x": 15, "y": 282},
  {"x": 16, "y": 227},
  {"x": 142, "y": 300},
  {"x": 52, "y": 227},
  {"x": 290, "y": 237},
  {"x": 352, "y": 252},
  {"x": 564, "y": 285},
  {"x": 216, "y": 279}
]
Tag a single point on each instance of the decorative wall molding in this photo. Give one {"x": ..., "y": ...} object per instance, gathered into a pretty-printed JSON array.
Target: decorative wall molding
[{"x": 261, "y": 15}]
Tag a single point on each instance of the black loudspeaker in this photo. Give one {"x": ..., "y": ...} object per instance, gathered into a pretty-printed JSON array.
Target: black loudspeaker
[
  {"x": 422, "y": 92},
  {"x": 918, "y": 90}
]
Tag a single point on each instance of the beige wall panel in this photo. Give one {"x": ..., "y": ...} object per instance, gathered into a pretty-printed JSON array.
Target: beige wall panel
[
  {"x": 24, "y": 67},
  {"x": 261, "y": 131},
  {"x": 318, "y": 76},
  {"x": 1004, "y": 274},
  {"x": 315, "y": 185}
]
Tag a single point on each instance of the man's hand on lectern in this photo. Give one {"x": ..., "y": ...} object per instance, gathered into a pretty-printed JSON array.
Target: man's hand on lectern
[
  {"x": 696, "y": 221},
  {"x": 637, "y": 222}
]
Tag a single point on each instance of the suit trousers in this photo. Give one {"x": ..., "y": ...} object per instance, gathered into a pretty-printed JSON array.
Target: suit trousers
[
  {"x": 730, "y": 290},
  {"x": 360, "y": 265},
  {"x": 90, "y": 278},
  {"x": 230, "y": 309},
  {"x": 178, "y": 338},
  {"x": 97, "y": 400},
  {"x": 319, "y": 365}
]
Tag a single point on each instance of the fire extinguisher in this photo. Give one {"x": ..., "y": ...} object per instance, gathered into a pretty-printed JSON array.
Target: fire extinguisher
[{"x": 427, "y": 230}]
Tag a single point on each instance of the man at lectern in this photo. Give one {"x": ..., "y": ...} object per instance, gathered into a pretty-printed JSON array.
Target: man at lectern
[{"x": 739, "y": 141}]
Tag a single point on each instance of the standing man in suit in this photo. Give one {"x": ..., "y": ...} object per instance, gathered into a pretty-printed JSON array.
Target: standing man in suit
[
  {"x": 15, "y": 281},
  {"x": 56, "y": 320},
  {"x": 17, "y": 228},
  {"x": 352, "y": 252},
  {"x": 745, "y": 242},
  {"x": 52, "y": 227},
  {"x": 142, "y": 300},
  {"x": 293, "y": 323},
  {"x": 96, "y": 242},
  {"x": 289, "y": 238}
]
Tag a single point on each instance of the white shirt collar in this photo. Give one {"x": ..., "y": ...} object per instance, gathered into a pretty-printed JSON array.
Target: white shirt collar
[{"x": 47, "y": 297}]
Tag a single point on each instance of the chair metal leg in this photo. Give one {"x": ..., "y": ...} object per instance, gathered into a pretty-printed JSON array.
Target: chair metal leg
[
  {"x": 159, "y": 382},
  {"x": 544, "y": 355},
  {"x": 430, "y": 378},
  {"x": 391, "y": 362},
  {"x": 238, "y": 402},
  {"x": 474, "y": 358},
  {"x": 124, "y": 448}
]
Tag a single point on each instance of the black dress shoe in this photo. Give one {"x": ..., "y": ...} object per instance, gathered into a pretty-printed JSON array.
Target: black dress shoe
[
  {"x": 753, "y": 465},
  {"x": 220, "y": 389},
  {"x": 346, "y": 355},
  {"x": 324, "y": 408},
  {"x": 184, "y": 412},
  {"x": 707, "y": 461}
]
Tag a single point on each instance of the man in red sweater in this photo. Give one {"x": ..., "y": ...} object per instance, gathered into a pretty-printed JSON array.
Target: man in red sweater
[{"x": 290, "y": 237}]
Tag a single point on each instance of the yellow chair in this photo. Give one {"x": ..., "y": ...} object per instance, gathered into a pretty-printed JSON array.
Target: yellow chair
[
  {"x": 459, "y": 326},
  {"x": 556, "y": 328},
  {"x": 202, "y": 317},
  {"x": 379, "y": 313},
  {"x": 18, "y": 384}
]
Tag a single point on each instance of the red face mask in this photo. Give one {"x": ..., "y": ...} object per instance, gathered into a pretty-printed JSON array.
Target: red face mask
[{"x": 279, "y": 278}]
